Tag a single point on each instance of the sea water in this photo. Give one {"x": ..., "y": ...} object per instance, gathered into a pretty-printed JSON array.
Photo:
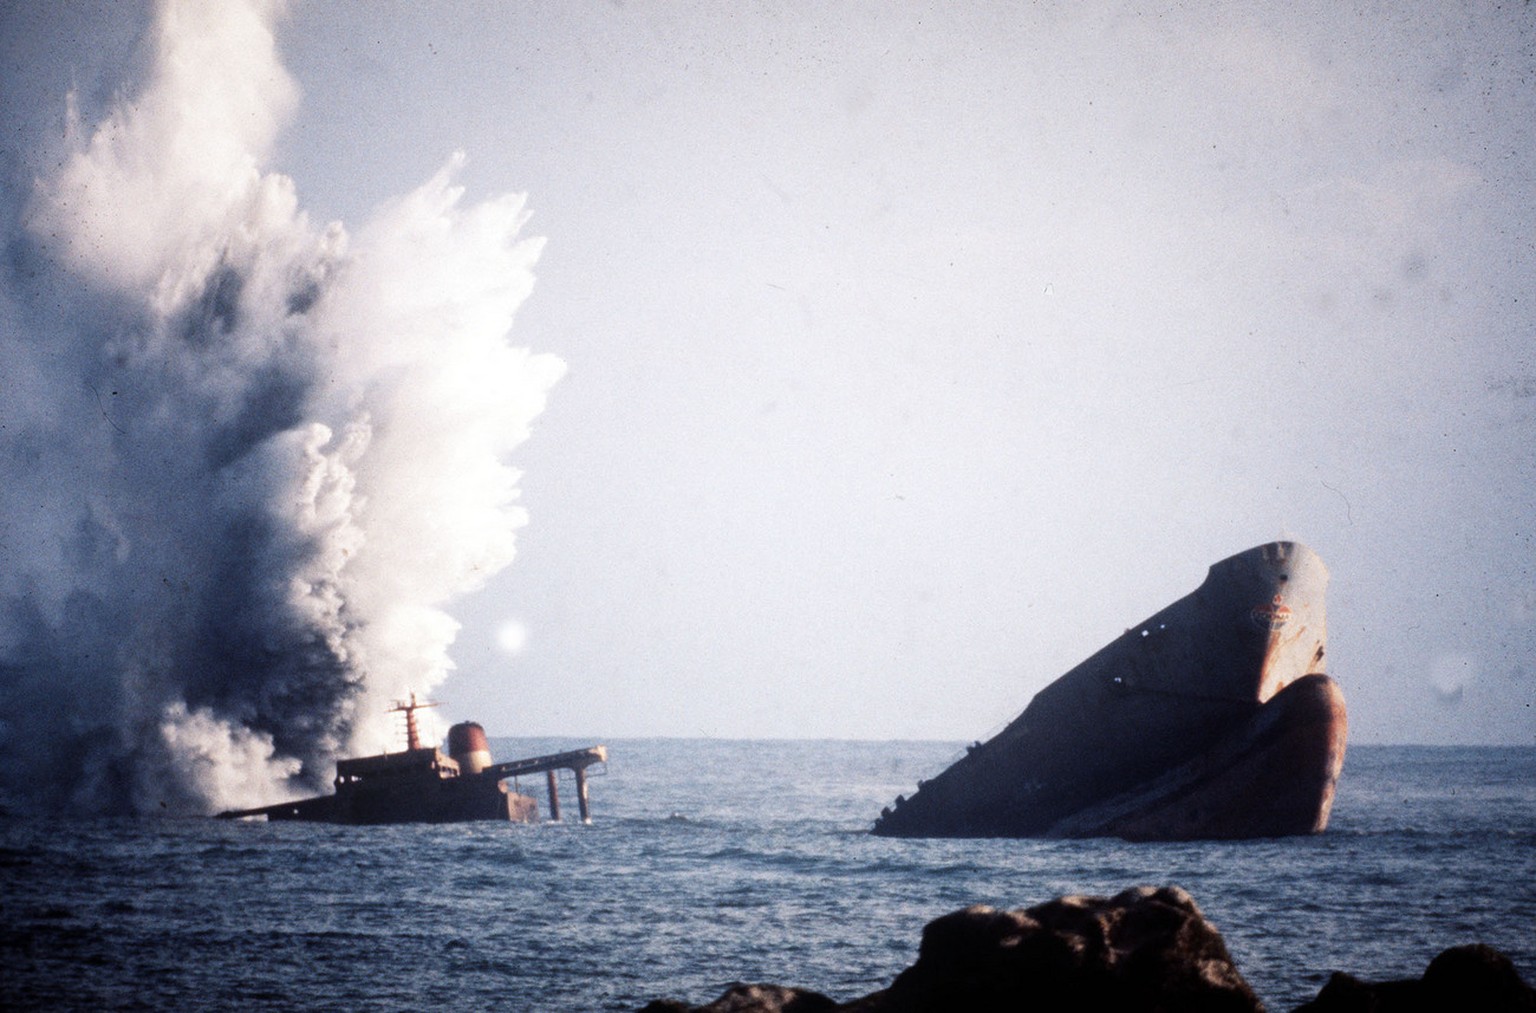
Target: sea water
[{"x": 708, "y": 862}]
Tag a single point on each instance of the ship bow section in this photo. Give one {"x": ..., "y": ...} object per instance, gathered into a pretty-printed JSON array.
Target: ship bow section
[{"x": 1211, "y": 718}]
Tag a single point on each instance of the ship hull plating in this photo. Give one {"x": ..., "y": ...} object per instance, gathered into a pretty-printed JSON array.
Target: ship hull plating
[
  {"x": 445, "y": 801},
  {"x": 421, "y": 785},
  {"x": 1214, "y": 718}
]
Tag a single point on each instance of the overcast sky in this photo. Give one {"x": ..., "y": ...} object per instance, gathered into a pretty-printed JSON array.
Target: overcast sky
[{"x": 916, "y": 351}]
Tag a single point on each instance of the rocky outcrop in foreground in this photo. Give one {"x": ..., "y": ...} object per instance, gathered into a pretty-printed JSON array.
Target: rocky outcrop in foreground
[
  {"x": 1144, "y": 949},
  {"x": 1473, "y": 977}
]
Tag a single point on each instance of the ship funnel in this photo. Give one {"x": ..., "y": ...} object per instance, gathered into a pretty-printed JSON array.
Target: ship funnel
[{"x": 467, "y": 746}]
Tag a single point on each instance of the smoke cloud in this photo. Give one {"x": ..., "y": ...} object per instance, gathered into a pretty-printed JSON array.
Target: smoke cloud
[{"x": 248, "y": 459}]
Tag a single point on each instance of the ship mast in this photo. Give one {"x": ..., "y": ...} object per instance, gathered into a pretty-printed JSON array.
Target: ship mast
[{"x": 409, "y": 707}]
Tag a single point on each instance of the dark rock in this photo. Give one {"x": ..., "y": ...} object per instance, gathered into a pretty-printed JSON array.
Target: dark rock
[
  {"x": 1144, "y": 949},
  {"x": 1473, "y": 977},
  {"x": 741, "y": 998}
]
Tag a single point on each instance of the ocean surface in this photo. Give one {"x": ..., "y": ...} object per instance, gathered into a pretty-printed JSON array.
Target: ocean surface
[{"x": 712, "y": 861}]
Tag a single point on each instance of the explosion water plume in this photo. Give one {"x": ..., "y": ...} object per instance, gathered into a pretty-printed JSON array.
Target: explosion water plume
[{"x": 248, "y": 459}]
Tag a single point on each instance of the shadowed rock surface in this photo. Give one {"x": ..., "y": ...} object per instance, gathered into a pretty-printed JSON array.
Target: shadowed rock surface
[
  {"x": 1473, "y": 977},
  {"x": 1146, "y": 949},
  {"x": 740, "y": 998}
]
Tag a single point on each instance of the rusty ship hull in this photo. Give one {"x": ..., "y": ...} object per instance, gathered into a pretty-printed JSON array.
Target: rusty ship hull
[
  {"x": 415, "y": 786},
  {"x": 1214, "y": 718},
  {"x": 422, "y": 785}
]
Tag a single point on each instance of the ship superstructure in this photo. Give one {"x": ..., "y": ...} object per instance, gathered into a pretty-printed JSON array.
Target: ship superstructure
[{"x": 423, "y": 785}]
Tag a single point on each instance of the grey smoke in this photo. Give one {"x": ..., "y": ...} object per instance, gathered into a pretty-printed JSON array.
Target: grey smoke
[{"x": 248, "y": 459}]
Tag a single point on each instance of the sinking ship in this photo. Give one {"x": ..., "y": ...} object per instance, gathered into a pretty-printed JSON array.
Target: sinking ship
[
  {"x": 1214, "y": 718},
  {"x": 421, "y": 785}
]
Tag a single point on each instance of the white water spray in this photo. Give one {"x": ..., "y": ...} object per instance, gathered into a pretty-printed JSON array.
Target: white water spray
[{"x": 250, "y": 459}]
